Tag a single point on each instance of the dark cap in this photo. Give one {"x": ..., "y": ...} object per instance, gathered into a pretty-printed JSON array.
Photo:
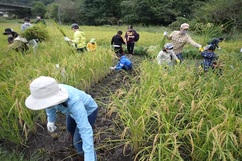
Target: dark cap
[
  {"x": 26, "y": 19},
  {"x": 8, "y": 31},
  {"x": 211, "y": 47}
]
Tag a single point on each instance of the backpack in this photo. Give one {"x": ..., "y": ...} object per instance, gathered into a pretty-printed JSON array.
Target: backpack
[{"x": 136, "y": 38}]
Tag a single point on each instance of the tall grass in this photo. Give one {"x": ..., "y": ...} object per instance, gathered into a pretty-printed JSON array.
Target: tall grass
[
  {"x": 179, "y": 114},
  {"x": 174, "y": 114},
  {"x": 19, "y": 69}
]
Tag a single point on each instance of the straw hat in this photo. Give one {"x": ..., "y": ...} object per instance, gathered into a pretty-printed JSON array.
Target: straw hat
[{"x": 45, "y": 92}]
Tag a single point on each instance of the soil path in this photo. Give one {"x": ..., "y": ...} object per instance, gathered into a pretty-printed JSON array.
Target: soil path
[{"x": 57, "y": 147}]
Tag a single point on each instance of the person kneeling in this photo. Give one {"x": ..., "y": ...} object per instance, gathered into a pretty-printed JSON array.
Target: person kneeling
[{"x": 123, "y": 63}]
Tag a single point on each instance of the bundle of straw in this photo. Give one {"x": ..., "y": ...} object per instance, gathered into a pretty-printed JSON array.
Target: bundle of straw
[{"x": 36, "y": 32}]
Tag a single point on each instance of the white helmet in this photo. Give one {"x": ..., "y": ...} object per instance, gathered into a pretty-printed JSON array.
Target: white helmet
[{"x": 168, "y": 46}]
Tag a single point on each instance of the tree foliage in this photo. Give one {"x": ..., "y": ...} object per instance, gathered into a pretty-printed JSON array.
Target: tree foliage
[
  {"x": 222, "y": 12},
  {"x": 144, "y": 12}
]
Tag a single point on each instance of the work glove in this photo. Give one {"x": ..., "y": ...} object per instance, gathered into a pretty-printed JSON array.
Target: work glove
[
  {"x": 201, "y": 49},
  {"x": 112, "y": 68},
  {"x": 51, "y": 126},
  {"x": 165, "y": 33},
  {"x": 66, "y": 39},
  {"x": 178, "y": 61}
]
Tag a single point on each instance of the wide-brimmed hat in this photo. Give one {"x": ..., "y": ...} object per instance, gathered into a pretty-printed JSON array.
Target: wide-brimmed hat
[
  {"x": 45, "y": 92},
  {"x": 93, "y": 40},
  {"x": 8, "y": 31},
  {"x": 184, "y": 26}
]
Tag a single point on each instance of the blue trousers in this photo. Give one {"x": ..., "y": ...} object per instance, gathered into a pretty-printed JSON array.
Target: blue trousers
[{"x": 74, "y": 131}]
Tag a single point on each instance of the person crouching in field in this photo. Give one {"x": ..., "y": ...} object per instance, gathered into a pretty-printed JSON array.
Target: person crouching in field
[
  {"x": 11, "y": 35},
  {"x": 92, "y": 45},
  {"x": 79, "y": 38},
  {"x": 79, "y": 107},
  {"x": 166, "y": 55},
  {"x": 123, "y": 63}
]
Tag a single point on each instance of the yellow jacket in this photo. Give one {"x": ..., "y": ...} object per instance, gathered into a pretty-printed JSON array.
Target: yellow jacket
[
  {"x": 91, "y": 46},
  {"x": 79, "y": 39}
]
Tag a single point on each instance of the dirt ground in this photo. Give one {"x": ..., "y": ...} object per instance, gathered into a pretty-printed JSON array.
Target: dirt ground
[{"x": 56, "y": 146}]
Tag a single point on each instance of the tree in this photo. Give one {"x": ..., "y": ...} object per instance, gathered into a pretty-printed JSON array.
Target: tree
[
  {"x": 222, "y": 12},
  {"x": 38, "y": 9}
]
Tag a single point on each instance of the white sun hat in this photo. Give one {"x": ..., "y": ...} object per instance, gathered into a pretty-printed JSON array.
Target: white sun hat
[
  {"x": 45, "y": 92},
  {"x": 168, "y": 46},
  {"x": 184, "y": 26}
]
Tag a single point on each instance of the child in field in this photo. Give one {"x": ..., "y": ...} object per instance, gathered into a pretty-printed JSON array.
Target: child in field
[
  {"x": 26, "y": 24},
  {"x": 165, "y": 55},
  {"x": 215, "y": 42},
  {"x": 209, "y": 58},
  {"x": 92, "y": 45},
  {"x": 123, "y": 63},
  {"x": 117, "y": 41},
  {"x": 79, "y": 39},
  {"x": 130, "y": 37}
]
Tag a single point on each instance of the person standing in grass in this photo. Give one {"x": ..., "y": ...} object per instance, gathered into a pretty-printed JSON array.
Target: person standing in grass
[
  {"x": 117, "y": 41},
  {"x": 40, "y": 20},
  {"x": 79, "y": 107},
  {"x": 79, "y": 38},
  {"x": 123, "y": 63},
  {"x": 179, "y": 39},
  {"x": 26, "y": 24},
  {"x": 92, "y": 45},
  {"x": 165, "y": 55},
  {"x": 130, "y": 37}
]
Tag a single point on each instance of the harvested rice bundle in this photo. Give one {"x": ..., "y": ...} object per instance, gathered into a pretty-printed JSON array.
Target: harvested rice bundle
[
  {"x": 18, "y": 46},
  {"x": 36, "y": 32}
]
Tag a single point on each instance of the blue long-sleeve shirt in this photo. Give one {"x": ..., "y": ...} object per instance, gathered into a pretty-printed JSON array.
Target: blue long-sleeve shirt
[
  {"x": 124, "y": 63},
  {"x": 79, "y": 106}
]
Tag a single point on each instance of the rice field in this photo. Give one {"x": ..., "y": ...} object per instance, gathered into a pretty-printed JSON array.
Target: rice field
[{"x": 176, "y": 114}]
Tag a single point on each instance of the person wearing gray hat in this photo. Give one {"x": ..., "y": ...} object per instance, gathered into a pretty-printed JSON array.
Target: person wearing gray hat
[
  {"x": 165, "y": 55},
  {"x": 79, "y": 39},
  {"x": 79, "y": 107}
]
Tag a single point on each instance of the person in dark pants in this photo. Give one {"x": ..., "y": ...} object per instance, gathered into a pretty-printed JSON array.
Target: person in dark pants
[
  {"x": 79, "y": 107},
  {"x": 117, "y": 41},
  {"x": 130, "y": 39}
]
